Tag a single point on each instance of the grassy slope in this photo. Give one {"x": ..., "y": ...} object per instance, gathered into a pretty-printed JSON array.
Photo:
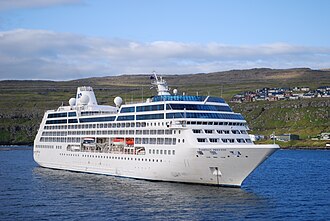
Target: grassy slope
[{"x": 24, "y": 102}]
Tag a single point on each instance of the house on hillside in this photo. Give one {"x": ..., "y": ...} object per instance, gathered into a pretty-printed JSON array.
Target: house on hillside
[
  {"x": 304, "y": 89},
  {"x": 287, "y": 137},
  {"x": 309, "y": 95},
  {"x": 323, "y": 88},
  {"x": 325, "y": 136}
]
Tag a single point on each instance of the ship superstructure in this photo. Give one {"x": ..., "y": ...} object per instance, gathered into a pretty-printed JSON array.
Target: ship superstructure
[{"x": 170, "y": 137}]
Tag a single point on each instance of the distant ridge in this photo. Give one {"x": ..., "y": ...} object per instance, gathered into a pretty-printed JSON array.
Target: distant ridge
[
  {"x": 23, "y": 102},
  {"x": 232, "y": 77}
]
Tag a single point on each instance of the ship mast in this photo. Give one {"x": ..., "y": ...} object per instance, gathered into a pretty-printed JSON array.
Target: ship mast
[{"x": 162, "y": 87}]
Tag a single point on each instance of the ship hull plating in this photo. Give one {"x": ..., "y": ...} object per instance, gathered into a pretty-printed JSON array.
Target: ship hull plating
[{"x": 213, "y": 166}]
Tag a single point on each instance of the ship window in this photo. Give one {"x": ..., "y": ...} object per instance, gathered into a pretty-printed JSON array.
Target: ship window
[
  {"x": 160, "y": 131},
  {"x": 235, "y": 131},
  {"x": 137, "y": 140},
  {"x": 127, "y": 109},
  {"x": 56, "y": 115},
  {"x": 96, "y": 119},
  {"x": 168, "y": 131},
  {"x": 202, "y": 107},
  {"x": 145, "y": 132},
  {"x": 72, "y": 121},
  {"x": 153, "y": 131},
  {"x": 150, "y": 108},
  {"x": 145, "y": 140},
  {"x": 72, "y": 114},
  {"x": 165, "y": 152},
  {"x": 201, "y": 140},
  {"x": 56, "y": 121},
  {"x": 208, "y": 131},
  {"x": 169, "y": 152},
  {"x": 125, "y": 118},
  {"x": 240, "y": 140},
  {"x": 168, "y": 140},
  {"x": 224, "y": 140},
  {"x": 174, "y": 141},
  {"x": 243, "y": 132},
  {"x": 248, "y": 140},
  {"x": 223, "y": 131},
  {"x": 160, "y": 140},
  {"x": 152, "y": 141},
  {"x": 214, "y": 140}
]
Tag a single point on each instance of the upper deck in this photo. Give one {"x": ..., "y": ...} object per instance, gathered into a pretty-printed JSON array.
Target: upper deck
[{"x": 164, "y": 105}]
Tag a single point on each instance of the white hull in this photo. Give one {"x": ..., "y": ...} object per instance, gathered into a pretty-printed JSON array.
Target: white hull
[{"x": 228, "y": 167}]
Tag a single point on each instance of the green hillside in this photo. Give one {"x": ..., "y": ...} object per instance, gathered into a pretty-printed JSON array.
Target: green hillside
[{"x": 23, "y": 103}]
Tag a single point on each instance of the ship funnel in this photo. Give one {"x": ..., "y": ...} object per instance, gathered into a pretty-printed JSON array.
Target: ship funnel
[{"x": 85, "y": 96}]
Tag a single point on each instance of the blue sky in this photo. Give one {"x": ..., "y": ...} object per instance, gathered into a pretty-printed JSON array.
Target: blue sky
[{"x": 69, "y": 39}]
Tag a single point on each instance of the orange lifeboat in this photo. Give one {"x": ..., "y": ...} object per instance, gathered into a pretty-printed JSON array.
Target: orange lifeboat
[
  {"x": 118, "y": 141},
  {"x": 130, "y": 141}
]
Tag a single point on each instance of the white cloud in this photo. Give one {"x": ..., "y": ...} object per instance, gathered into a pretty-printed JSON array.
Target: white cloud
[
  {"x": 40, "y": 54},
  {"x": 13, "y": 4}
]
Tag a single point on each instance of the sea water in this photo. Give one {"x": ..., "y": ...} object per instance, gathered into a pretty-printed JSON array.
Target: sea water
[{"x": 290, "y": 185}]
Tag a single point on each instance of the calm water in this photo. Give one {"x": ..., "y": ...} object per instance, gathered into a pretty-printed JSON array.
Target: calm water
[{"x": 291, "y": 185}]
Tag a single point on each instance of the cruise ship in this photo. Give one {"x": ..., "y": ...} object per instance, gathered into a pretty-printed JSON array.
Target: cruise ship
[{"x": 169, "y": 137}]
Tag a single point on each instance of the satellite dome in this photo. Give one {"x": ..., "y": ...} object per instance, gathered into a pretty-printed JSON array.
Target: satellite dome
[
  {"x": 118, "y": 101},
  {"x": 72, "y": 102},
  {"x": 84, "y": 99},
  {"x": 175, "y": 91}
]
